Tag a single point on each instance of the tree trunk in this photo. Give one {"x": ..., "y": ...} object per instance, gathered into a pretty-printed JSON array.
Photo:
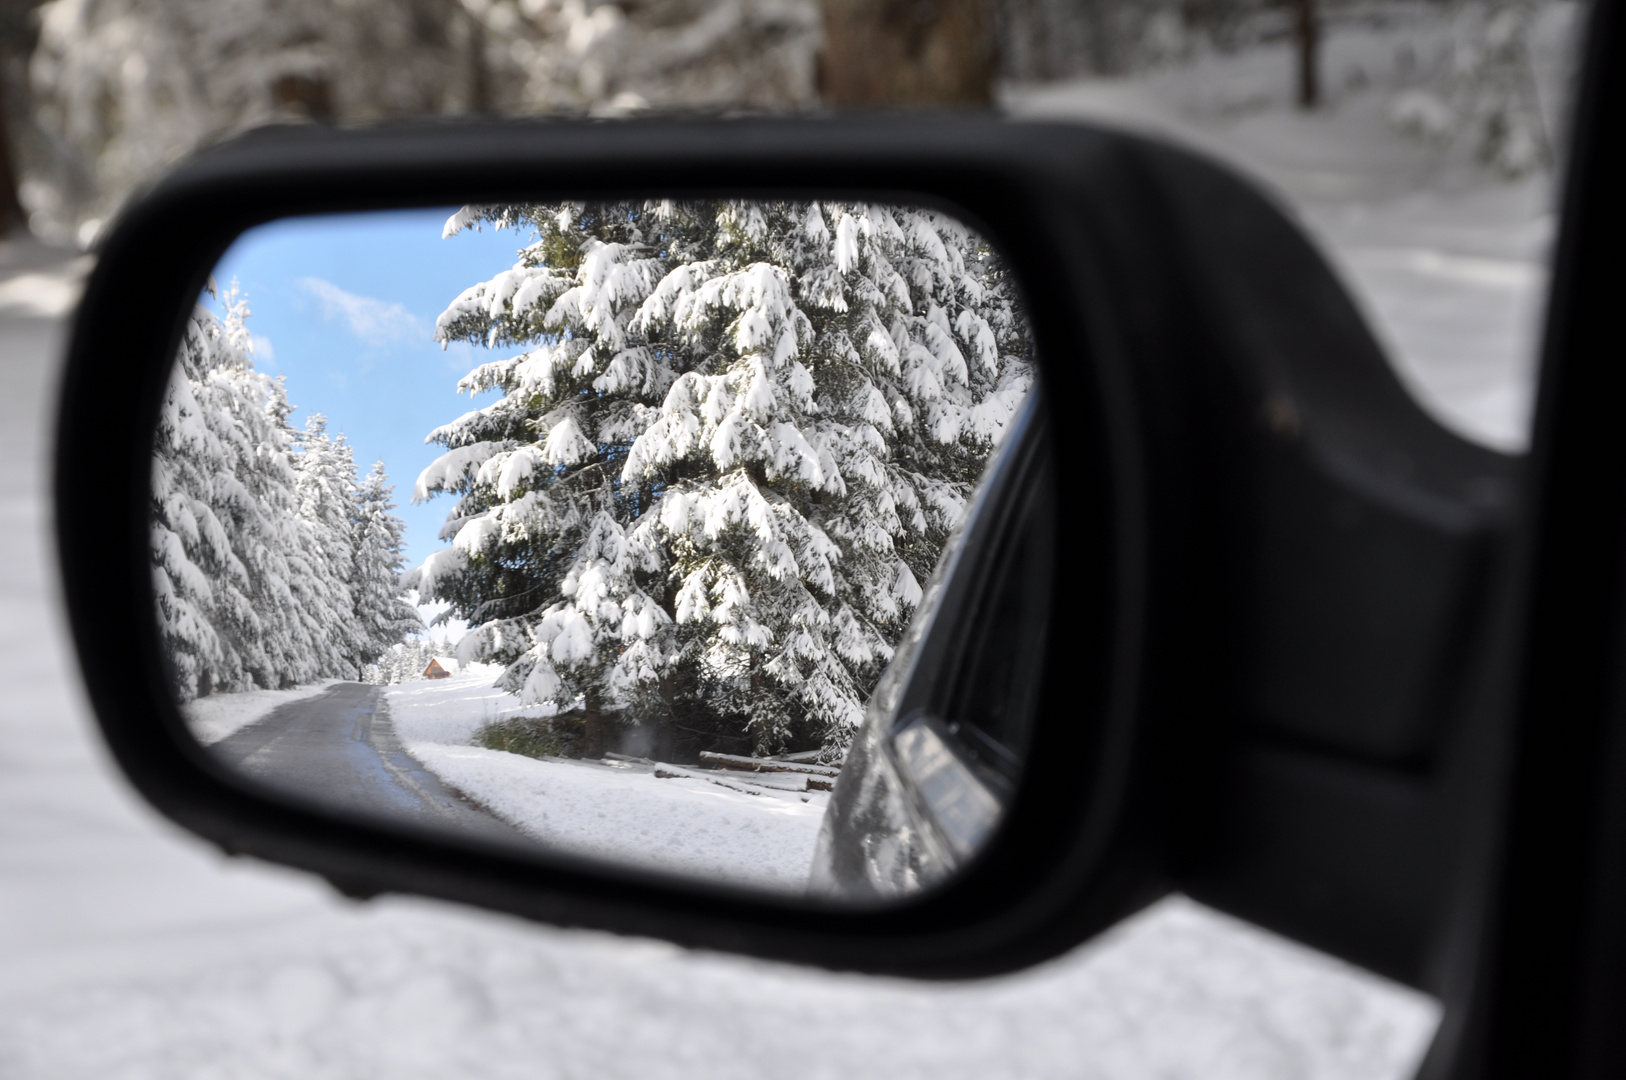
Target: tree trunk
[
  {"x": 12, "y": 215},
  {"x": 598, "y": 730},
  {"x": 1103, "y": 42},
  {"x": 907, "y": 52},
  {"x": 1307, "y": 37}
]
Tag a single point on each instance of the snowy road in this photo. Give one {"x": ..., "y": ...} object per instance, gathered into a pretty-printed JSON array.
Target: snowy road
[{"x": 340, "y": 749}]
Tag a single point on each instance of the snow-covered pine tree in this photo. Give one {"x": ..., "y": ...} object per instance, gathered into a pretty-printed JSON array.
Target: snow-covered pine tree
[
  {"x": 223, "y": 444},
  {"x": 327, "y": 491},
  {"x": 735, "y": 445},
  {"x": 382, "y": 615},
  {"x": 1496, "y": 93},
  {"x": 195, "y": 572},
  {"x": 296, "y": 637}
]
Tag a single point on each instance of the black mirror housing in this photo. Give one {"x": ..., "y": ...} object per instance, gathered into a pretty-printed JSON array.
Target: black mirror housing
[{"x": 1213, "y": 398}]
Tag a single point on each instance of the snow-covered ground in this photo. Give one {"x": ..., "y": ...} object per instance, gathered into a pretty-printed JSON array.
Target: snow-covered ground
[
  {"x": 451, "y": 710},
  {"x": 128, "y": 949},
  {"x": 215, "y": 717},
  {"x": 619, "y": 812}
]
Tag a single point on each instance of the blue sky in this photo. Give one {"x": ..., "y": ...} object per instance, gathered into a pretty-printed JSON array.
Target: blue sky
[{"x": 344, "y": 306}]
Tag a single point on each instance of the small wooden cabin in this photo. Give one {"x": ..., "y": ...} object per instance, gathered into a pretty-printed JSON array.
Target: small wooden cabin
[{"x": 441, "y": 667}]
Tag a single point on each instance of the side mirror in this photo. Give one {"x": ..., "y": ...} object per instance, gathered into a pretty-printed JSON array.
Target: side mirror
[{"x": 1086, "y": 642}]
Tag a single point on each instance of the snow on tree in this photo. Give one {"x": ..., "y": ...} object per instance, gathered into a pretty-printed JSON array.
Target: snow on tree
[
  {"x": 734, "y": 446},
  {"x": 382, "y": 615},
  {"x": 252, "y": 582},
  {"x": 222, "y": 494},
  {"x": 325, "y": 485},
  {"x": 195, "y": 572}
]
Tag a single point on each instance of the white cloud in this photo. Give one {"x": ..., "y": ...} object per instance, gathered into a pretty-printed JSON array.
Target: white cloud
[
  {"x": 264, "y": 354},
  {"x": 376, "y": 322},
  {"x": 461, "y": 356}
]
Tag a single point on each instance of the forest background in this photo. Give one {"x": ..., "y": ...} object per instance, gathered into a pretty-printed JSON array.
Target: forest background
[{"x": 98, "y": 97}]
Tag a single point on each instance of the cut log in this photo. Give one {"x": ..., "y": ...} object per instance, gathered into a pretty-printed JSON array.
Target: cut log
[
  {"x": 670, "y": 774},
  {"x": 748, "y": 787},
  {"x": 755, "y": 764}
]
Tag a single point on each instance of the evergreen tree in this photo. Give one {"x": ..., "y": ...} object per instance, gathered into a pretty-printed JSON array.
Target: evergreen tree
[
  {"x": 382, "y": 615},
  {"x": 327, "y": 491},
  {"x": 223, "y": 495},
  {"x": 735, "y": 445},
  {"x": 194, "y": 568}
]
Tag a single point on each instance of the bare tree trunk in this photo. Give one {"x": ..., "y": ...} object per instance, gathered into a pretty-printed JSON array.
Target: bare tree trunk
[
  {"x": 480, "y": 98},
  {"x": 1103, "y": 41},
  {"x": 12, "y": 215},
  {"x": 907, "y": 52},
  {"x": 598, "y": 730},
  {"x": 1307, "y": 36}
]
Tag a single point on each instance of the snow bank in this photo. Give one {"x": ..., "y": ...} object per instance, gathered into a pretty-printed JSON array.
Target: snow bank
[
  {"x": 621, "y": 814},
  {"x": 687, "y": 826},
  {"x": 217, "y": 716}
]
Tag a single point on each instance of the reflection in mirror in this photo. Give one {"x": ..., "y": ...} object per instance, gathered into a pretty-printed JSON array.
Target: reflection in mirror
[{"x": 730, "y": 561}]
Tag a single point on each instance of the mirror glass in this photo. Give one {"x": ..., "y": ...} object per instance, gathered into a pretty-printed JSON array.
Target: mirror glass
[{"x": 700, "y": 537}]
